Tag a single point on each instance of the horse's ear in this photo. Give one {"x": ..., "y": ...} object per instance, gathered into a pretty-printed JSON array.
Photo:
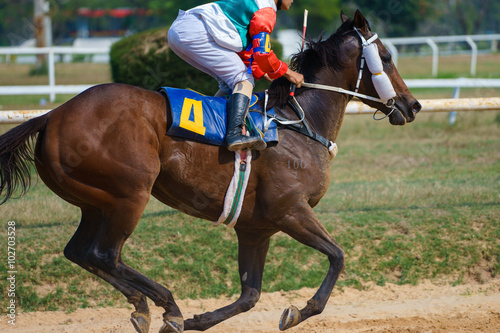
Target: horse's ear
[
  {"x": 343, "y": 17},
  {"x": 360, "y": 22}
]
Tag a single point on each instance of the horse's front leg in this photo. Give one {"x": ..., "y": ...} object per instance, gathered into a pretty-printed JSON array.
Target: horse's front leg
[
  {"x": 252, "y": 250},
  {"x": 302, "y": 224}
]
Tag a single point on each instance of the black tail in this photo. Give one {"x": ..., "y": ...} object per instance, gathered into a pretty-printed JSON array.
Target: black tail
[{"x": 16, "y": 156}]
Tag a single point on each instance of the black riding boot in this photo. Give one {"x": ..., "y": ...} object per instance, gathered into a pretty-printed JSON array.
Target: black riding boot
[{"x": 237, "y": 109}]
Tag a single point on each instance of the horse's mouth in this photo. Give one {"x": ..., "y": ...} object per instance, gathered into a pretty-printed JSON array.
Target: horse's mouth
[{"x": 404, "y": 113}]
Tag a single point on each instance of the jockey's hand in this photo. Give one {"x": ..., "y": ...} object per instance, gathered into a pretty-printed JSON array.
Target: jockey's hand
[
  {"x": 294, "y": 77},
  {"x": 267, "y": 78}
]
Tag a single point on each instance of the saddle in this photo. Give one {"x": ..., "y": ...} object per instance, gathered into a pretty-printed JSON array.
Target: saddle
[{"x": 203, "y": 118}]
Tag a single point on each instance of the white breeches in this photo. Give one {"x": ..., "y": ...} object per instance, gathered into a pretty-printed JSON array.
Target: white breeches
[{"x": 189, "y": 39}]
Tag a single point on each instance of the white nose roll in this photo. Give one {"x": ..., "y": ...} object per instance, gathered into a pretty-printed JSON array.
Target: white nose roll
[
  {"x": 383, "y": 86},
  {"x": 373, "y": 58},
  {"x": 380, "y": 80}
]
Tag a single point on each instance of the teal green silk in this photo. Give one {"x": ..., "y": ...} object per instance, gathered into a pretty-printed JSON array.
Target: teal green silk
[{"x": 240, "y": 13}]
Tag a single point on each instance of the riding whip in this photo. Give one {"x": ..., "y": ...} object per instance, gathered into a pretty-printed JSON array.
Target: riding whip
[{"x": 292, "y": 87}]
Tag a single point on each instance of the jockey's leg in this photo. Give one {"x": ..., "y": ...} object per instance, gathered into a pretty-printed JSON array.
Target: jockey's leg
[
  {"x": 220, "y": 93},
  {"x": 188, "y": 37},
  {"x": 237, "y": 109}
]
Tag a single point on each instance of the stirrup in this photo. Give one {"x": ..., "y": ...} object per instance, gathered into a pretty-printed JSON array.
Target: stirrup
[{"x": 246, "y": 142}]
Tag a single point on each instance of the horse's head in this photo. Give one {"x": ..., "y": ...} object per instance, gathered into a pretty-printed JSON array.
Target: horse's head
[{"x": 378, "y": 75}]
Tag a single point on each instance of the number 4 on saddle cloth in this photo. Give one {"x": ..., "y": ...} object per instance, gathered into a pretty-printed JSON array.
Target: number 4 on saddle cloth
[{"x": 203, "y": 118}]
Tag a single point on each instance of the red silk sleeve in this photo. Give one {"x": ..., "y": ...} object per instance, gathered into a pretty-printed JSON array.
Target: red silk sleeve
[
  {"x": 270, "y": 64},
  {"x": 256, "y": 71},
  {"x": 264, "y": 20}
]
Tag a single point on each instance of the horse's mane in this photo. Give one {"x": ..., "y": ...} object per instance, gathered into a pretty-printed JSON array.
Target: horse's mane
[{"x": 317, "y": 55}]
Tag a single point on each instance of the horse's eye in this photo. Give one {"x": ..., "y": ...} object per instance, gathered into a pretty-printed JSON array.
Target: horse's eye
[{"x": 386, "y": 57}]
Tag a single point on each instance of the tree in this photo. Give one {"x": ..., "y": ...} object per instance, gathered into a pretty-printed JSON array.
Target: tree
[
  {"x": 394, "y": 18},
  {"x": 16, "y": 23},
  {"x": 471, "y": 14},
  {"x": 40, "y": 24},
  {"x": 390, "y": 18},
  {"x": 324, "y": 16}
]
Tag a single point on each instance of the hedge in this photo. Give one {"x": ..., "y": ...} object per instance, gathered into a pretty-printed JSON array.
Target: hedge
[{"x": 145, "y": 60}]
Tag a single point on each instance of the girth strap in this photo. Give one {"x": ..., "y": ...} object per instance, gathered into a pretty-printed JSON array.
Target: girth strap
[{"x": 304, "y": 131}]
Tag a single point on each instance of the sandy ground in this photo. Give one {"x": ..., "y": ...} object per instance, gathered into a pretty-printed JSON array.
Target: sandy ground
[{"x": 423, "y": 308}]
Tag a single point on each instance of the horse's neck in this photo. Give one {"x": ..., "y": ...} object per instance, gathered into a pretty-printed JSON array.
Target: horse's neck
[{"x": 325, "y": 109}]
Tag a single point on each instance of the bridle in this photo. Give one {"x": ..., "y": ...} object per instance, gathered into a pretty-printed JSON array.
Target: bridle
[
  {"x": 383, "y": 87},
  {"x": 390, "y": 103}
]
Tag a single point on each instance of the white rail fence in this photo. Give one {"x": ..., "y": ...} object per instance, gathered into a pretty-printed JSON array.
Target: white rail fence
[
  {"x": 52, "y": 89},
  {"x": 433, "y": 42},
  {"x": 428, "y": 105}
]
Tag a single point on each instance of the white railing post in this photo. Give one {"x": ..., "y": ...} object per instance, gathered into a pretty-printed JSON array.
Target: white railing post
[
  {"x": 452, "y": 118},
  {"x": 435, "y": 56},
  {"x": 52, "y": 75},
  {"x": 473, "y": 60}
]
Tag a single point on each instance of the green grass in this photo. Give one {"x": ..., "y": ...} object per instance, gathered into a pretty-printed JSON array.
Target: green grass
[
  {"x": 449, "y": 67},
  {"x": 407, "y": 204}
]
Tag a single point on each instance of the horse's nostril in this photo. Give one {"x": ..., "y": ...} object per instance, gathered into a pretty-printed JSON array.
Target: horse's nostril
[{"x": 416, "y": 107}]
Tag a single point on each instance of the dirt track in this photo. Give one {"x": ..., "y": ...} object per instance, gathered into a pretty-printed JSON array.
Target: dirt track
[{"x": 424, "y": 308}]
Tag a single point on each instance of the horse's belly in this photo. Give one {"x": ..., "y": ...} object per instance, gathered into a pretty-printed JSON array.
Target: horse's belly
[{"x": 194, "y": 180}]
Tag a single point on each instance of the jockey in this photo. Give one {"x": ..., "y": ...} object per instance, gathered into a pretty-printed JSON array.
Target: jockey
[{"x": 223, "y": 39}]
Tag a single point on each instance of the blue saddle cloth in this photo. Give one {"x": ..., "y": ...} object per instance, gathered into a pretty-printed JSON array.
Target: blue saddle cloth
[{"x": 203, "y": 118}]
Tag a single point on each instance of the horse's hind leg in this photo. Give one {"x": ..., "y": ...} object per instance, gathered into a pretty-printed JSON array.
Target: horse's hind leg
[
  {"x": 253, "y": 247},
  {"x": 118, "y": 223},
  {"x": 76, "y": 251},
  {"x": 302, "y": 224}
]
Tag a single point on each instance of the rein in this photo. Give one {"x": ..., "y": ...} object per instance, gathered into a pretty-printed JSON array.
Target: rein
[
  {"x": 341, "y": 90},
  {"x": 390, "y": 103}
]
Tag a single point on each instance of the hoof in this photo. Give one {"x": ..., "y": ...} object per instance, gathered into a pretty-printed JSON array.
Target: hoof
[
  {"x": 290, "y": 318},
  {"x": 172, "y": 325},
  {"x": 141, "y": 322}
]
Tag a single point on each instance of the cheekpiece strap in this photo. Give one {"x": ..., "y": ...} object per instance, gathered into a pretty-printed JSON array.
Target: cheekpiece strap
[{"x": 363, "y": 40}]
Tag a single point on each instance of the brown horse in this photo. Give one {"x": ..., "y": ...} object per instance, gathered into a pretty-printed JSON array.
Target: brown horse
[{"x": 106, "y": 152}]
